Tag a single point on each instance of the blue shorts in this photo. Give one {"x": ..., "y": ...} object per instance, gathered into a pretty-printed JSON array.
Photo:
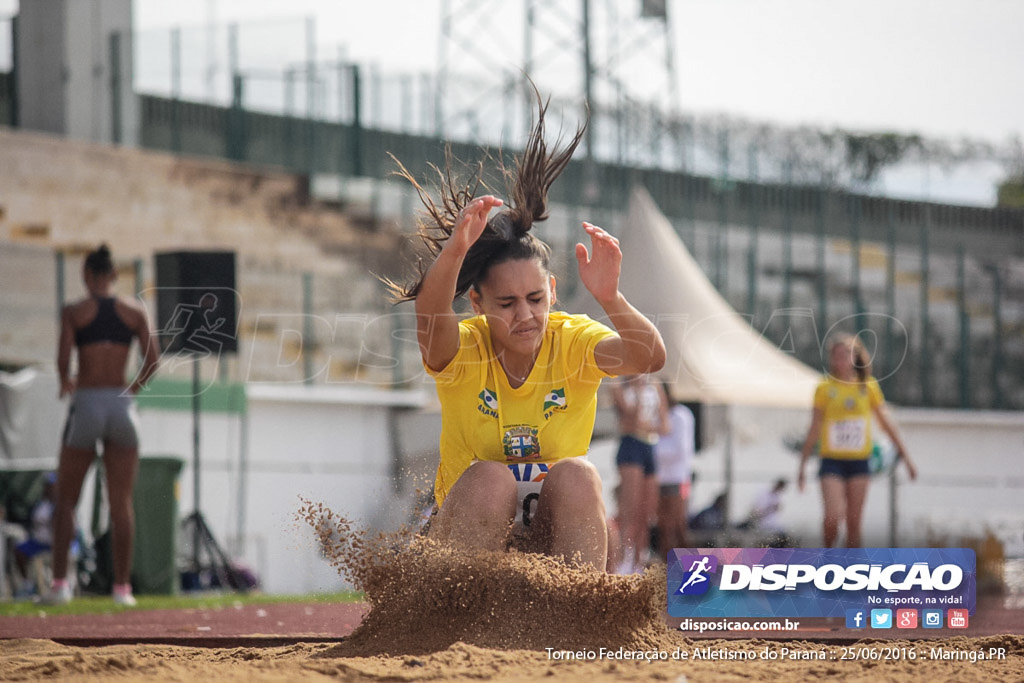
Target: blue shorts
[
  {"x": 633, "y": 451},
  {"x": 32, "y": 547},
  {"x": 101, "y": 414},
  {"x": 844, "y": 468}
]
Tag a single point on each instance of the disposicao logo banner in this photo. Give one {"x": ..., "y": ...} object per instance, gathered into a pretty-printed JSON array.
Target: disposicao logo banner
[{"x": 817, "y": 582}]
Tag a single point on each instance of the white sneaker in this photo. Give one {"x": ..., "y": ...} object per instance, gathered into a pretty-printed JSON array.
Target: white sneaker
[
  {"x": 124, "y": 599},
  {"x": 59, "y": 596}
]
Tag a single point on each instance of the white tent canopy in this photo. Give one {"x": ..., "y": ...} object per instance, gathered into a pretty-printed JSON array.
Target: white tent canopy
[{"x": 714, "y": 355}]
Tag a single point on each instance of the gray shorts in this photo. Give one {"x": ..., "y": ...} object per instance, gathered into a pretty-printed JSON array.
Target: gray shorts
[{"x": 106, "y": 414}]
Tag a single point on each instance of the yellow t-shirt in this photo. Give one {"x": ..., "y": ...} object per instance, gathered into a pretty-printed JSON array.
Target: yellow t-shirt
[
  {"x": 847, "y": 411},
  {"x": 548, "y": 418}
]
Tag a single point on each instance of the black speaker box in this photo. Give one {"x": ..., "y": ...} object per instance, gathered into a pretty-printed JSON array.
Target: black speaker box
[{"x": 197, "y": 302}]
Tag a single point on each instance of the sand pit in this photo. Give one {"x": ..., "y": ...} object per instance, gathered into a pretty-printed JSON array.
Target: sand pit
[
  {"x": 36, "y": 660},
  {"x": 425, "y": 597},
  {"x": 437, "y": 615}
]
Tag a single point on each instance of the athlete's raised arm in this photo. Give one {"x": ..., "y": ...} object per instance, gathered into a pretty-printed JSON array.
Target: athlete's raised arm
[
  {"x": 437, "y": 326},
  {"x": 638, "y": 347}
]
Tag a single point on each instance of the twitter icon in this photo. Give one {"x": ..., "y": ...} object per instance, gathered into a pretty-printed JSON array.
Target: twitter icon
[{"x": 881, "y": 618}]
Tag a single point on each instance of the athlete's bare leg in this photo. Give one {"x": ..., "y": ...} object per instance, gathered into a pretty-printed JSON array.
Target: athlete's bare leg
[
  {"x": 121, "y": 465},
  {"x": 479, "y": 509},
  {"x": 856, "y": 495},
  {"x": 632, "y": 511},
  {"x": 71, "y": 470},
  {"x": 833, "y": 495},
  {"x": 571, "y": 513}
]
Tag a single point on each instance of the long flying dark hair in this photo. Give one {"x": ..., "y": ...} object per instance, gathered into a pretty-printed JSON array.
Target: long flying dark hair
[{"x": 507, "y": 235}]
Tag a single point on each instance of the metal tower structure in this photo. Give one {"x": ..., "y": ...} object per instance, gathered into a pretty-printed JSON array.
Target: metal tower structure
[{"x": 614, "y": 56}]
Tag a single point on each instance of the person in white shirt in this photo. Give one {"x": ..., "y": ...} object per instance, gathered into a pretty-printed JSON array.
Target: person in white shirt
[{"x": 673, "y": 457}]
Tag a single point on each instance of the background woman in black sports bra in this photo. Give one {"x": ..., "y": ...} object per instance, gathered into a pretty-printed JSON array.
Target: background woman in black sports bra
[{"x": 101, "y": 327}]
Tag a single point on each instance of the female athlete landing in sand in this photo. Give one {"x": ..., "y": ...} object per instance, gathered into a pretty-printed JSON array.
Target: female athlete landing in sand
[{"x": 518, "y": 382}]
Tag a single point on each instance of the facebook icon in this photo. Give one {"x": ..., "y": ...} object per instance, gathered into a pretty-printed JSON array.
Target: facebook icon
[{"x": 855, "y": 618}]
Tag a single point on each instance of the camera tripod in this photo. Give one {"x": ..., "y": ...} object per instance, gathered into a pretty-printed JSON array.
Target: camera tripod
[
  {"x": 217, "y": 570},
  {"x": 209, "y": 563}
]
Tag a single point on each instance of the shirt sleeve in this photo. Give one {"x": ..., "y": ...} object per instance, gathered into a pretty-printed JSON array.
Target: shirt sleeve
[
  {"x": 583, "y": 335},
  {"x": 470, "y": 354},
  {"x": 875, "y": 397},
  {"x": 821, "y": 395}
]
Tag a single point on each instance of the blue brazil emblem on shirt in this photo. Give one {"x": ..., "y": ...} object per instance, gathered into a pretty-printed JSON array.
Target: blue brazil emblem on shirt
[
  {"x": 488, "y": 403},
  {"x": 554, "y": 400}
]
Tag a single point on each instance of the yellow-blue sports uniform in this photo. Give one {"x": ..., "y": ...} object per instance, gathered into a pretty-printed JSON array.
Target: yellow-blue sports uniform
[{"x": 549, "y": 418}]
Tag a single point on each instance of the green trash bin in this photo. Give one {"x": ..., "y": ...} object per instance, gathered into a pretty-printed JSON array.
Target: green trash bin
[{"x": 154, "y": 558}]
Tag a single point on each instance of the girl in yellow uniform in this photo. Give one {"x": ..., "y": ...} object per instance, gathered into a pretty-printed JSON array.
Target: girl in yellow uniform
[
  {"x": 518, "y": 382},
  {"x": 844, "y": 404}
]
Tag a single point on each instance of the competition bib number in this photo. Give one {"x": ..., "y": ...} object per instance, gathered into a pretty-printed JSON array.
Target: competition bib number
[
  {"x": 849, "y": 436},
  {"x": 529, "y": 481}
]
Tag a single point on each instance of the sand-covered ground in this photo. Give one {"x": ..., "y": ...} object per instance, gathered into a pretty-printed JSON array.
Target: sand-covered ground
[
  {"x": 439, "y": 614},
  {"x": 896, "y": 660}
]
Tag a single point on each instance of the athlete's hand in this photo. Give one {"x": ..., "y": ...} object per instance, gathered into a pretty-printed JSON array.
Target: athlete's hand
[
  {"x": 911, "y": 469},
  {"x": 800, "y": 480},
  {"x": 472, "y": 221},
  {"x": 599, "y": 270},
  {"x": 67, "y": 387}
]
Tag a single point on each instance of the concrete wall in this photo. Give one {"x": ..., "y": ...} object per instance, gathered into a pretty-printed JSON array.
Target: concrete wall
[
  {"x": 41, "y": 61},
  {"x": 66, "y": 72},
  {"x": 324, "y": 445},
  {"x": 28, "y": 301},
  {"x": 64, "y": 196},
  {"x": 71, "y": 195}
]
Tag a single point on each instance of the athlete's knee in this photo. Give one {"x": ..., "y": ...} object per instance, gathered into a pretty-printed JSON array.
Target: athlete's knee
[
  {"x": 575, "y": 483},
  {"x": 488, "y": 473},
  {"x": 486, "y": 487},
  {"x": 575, "y": 472}
]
